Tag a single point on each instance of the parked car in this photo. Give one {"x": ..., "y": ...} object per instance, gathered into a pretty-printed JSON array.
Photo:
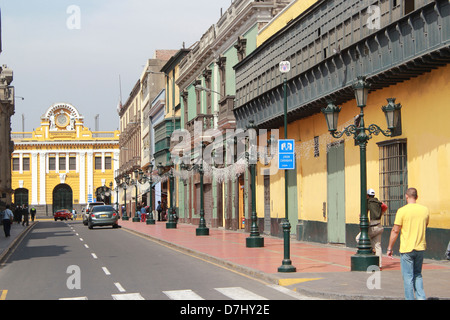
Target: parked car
[
  {"x": 103, "y": 216},
  {"x": 85, "y": 213},
  {"x": 63, "y": 214}
]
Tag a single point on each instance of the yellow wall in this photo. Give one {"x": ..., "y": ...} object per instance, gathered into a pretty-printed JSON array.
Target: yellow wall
[
  {"x": 424, "y": 115},
  {"x": 289, "y": 13}
]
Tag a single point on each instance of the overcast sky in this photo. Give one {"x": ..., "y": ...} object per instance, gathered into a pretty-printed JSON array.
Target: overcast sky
[{"x": 55, "y": 59}]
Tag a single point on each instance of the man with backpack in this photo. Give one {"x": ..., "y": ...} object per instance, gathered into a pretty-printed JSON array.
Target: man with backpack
[{"x": 376, "y": 208}]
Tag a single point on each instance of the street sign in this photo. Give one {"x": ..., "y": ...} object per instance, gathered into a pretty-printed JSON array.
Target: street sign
[
  {"x": 90, "y": 199},
  {"x": 286, "y": 154}
]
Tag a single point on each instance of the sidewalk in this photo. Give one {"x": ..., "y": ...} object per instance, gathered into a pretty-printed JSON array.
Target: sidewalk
[
  {"x": 8, "y": 244},
  {"x": 323, "y": 271}
]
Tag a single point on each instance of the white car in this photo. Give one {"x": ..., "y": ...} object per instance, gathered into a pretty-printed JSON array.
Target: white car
[{"x": 86, "y": 211}]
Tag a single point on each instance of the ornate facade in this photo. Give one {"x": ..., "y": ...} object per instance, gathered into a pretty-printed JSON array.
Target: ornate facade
[
  {"x": 6, "y": 145},
  {"x": 63, "y": 164}
]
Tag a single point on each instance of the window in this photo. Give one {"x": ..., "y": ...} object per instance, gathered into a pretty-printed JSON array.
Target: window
[
  {"x": 98, "y": 163},
  {"x": 72, "y": 163},
  {"x": 62, "y": 163},
  {"x": 52, "y": 164},
  {"x": 409, "y": 6},
  {"x": 393, "y": 177},
  {"x": 108, "y": 163},
  {"x": 26, "y": 164},
  {"x": 16, "y": 164}
]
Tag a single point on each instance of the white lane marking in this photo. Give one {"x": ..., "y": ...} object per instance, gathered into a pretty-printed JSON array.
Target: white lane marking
[
  {"x": 290, "y": 293},
  {"x": 119, "y": 287},
  {"x": 94, "y": 255},
  {"x": 128, "y": 296},
  {"x": 75, "y": 298},
  {"x": 182, "y": 295},
  {"x": 81, "y": 239},
  {"x": 238, "y": 293},
  {"x": 106, "y": 271},
  {"x": 87, "y": 247}
]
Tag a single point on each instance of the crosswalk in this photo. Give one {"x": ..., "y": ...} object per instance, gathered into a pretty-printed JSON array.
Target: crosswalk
[{"x": 233, "y": 293}]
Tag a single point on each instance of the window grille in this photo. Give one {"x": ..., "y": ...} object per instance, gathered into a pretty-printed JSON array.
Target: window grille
[{"x": 393, "y": 177}]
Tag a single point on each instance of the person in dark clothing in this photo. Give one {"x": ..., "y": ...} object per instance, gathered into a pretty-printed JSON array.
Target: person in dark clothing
[
  {"x": 7, "y": 219},
  {"x": 32, "y": 213},
  {"x": 25, "y": 214},
  {"x": 159, "y": 209}
]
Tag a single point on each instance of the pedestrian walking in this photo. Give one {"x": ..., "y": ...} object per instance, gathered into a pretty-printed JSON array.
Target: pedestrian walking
[
  {"x": 74, "y": 214},
  {"x": 33, "y": 213},
  {"x": 411, "y": 223},
  {"x": 17, "y": 214},
  {"x": 25, "y": 215},
  {"x": 7, "y": 219},
  {"x": 376, "y": 209},
  {"x": 159, "y": 209}
]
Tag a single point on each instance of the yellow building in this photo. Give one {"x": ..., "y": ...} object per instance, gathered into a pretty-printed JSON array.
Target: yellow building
[
  {"x": 63, "y": 164},
  {"x": 329, "y": 44}
]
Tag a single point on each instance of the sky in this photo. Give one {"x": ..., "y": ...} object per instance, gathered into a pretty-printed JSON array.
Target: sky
[{"x": 74, "y": 51}]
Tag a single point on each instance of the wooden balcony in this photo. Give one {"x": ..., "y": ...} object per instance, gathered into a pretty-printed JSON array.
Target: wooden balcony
[{"x": 226, "y": 115}]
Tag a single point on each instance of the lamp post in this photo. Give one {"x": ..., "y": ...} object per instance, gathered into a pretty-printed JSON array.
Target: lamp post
[
  {"x": 171, "y": 224},
  {"x": 124, "y": 186},
  {"x": 364, "y": 256},
  {"x": 143, "y": 179},
  {"x": 202, "y": 229},
  {"x": 255, "y": 240},
  {"x": 286, "y": 265},
  {"x": 135, "y": 183}
]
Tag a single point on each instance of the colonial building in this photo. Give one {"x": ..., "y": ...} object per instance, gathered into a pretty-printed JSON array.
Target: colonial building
[
  {"x": 401, "y": 47},
  {"x": 207, "y": 84},
  {"x": 6, "y": 145},
  {"x": 135, "y": 153},
  {"x": 63, "y": 164}
]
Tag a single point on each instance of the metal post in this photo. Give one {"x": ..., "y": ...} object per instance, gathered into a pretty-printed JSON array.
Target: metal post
[
  {"x": 286, "y": 263},
  {"x": 124, "y": 216},
  {"x": 255, "y": 240},
  {"x": 202, "y": 230},
  {"x": 136, "y": 214},
  {"x": 151, "y": 218},
  {"x": 171, "y": 224},
  {"x": 364, "y": 257}
]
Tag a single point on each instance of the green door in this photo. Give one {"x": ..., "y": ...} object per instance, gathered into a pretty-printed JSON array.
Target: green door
[
  {"x": 62, "y": 198},
  {"x": 336, "y": 193}
]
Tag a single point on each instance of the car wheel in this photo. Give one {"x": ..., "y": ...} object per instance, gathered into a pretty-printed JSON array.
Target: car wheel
[{"x": 56, "y": 219}]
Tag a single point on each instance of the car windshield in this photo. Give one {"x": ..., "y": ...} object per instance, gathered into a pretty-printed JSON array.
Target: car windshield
[{"x": 102, "y": 208}]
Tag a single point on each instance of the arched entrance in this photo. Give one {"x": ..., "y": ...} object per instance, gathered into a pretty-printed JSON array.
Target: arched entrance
[
  {"x": 21, "y": 197},
  {"x": 62, "y": 197}
]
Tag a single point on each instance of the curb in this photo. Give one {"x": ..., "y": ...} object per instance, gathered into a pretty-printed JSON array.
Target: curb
[{"x": 13, "y": 245}]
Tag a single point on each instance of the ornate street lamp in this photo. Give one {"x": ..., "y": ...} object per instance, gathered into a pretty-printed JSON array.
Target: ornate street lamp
[
  {"x": 124, "y": 186},
  {"x": 135, "y": 183},
  {"x": 171, "y": 224},
  {"x": 255, "y": 240},
  {"x": 143, "y": 179},
  {"x": 364, "y": 256},
  {"x": 202, "y": 230}
]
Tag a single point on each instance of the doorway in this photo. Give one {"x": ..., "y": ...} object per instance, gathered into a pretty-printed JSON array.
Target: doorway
[
  {"x": 62, "y": 198},
  {"x": 336, "y": 193}
]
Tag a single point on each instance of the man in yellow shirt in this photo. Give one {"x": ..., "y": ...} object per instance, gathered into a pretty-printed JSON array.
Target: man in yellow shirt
[{"x": 410, "y": 223}]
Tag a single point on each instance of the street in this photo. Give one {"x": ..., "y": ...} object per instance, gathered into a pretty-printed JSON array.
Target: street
[{"x": 66, "y": 260}]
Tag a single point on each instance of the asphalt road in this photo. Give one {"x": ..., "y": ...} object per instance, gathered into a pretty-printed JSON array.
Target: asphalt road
[{"x": 66, "y": 260}]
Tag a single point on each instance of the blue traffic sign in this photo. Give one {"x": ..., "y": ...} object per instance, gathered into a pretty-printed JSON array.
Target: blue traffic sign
[{"x": 286, "y": 154}]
